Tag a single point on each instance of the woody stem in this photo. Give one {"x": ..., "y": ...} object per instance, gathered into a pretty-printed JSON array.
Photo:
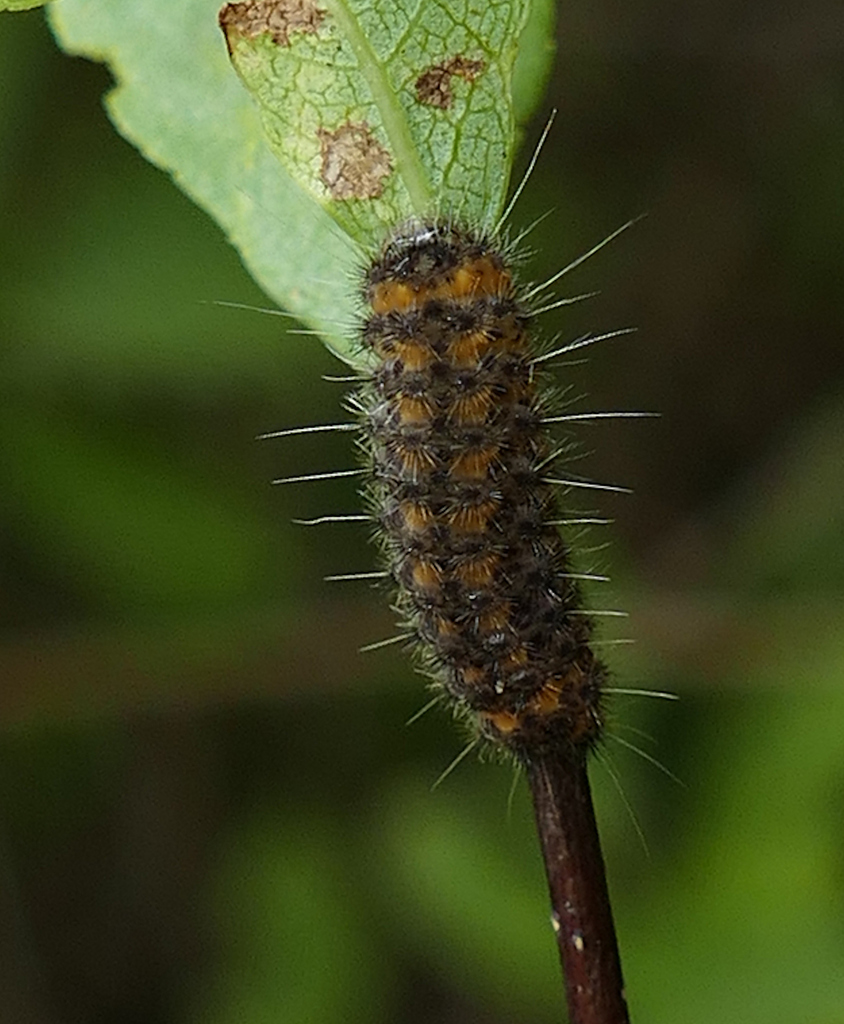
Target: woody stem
[{"x": 581, "y": 912}]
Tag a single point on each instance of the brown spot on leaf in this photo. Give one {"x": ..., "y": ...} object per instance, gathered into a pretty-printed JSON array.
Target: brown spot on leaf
[
  {"x": 354, "y": 163},
  {"x": 278, "y": 18},
  {"x": 433, "y": 87}
]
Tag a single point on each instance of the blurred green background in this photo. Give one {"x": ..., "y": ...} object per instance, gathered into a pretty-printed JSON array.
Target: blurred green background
[{"x": 211, "y": 810}]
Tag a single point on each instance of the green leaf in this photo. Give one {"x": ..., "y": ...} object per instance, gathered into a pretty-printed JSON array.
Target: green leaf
[
  {"x": 534, "y": 60},
  {"x": 384, "y": 110},
  {"x": 20, "y": 5},
  {"x": 179, "y": 101}
]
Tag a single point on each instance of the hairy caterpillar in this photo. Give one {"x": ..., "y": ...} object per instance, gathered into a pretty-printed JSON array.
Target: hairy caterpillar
[
  {"x": 453, "y": 422},
  {"x": 455, "y": 435}
]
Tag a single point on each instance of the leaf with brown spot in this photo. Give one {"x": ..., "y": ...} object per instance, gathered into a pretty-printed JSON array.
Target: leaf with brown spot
[
  {"x": 430, "y": 147},
  {"x": 433, "y": 87},
  {"x": 277, "y": 18},
  {"x": 254, "y": 159},
  {"x": 354, "y": 164}
]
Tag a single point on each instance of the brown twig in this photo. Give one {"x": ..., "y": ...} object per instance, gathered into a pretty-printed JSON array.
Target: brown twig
[{"x": 581, "y": 912}]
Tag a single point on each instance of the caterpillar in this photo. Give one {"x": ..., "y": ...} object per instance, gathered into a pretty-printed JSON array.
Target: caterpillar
[
  {"x": 455, "y": 438},
  {"x": 454, "y": 432}
]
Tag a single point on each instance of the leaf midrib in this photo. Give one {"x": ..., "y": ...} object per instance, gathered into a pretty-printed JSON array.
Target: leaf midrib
[{"x": 408, "y": 163}]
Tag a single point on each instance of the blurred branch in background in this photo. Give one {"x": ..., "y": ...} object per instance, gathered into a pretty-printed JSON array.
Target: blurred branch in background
[{"x": 185, "y": 668}]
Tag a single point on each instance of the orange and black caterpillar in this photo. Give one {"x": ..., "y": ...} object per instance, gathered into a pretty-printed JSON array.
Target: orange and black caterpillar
[{"x": 456, "y": 439}]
